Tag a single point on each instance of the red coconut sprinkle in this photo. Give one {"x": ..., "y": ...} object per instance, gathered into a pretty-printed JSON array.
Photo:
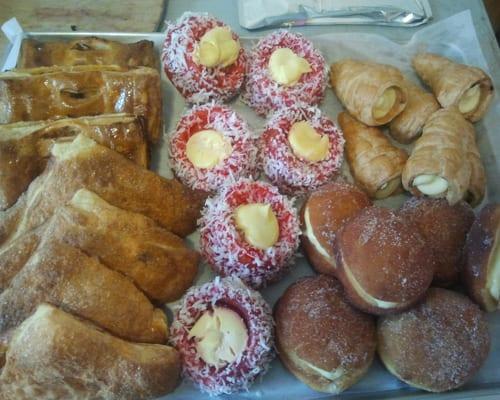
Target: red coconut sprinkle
[
  {"x": 263, "y": 94},
  {"x": 292, "y": 174},
  {"x": 253, "y": 362},
  {"x": 197, "y": 83},
  {"x": 241, "y": 162},
  {"x": 227, "y": 251}
]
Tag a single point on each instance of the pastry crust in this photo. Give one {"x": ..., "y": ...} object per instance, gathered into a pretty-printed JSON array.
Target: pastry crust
[
  {"x": 359, "y": 84},
  {"x": 74, "y": 91},
  {"x": 58, "y": 356},
  {"x": 324, "y": 341},
  {"x": 448, "y": 149},
  {"x": 25, "y": 146},
  {"x": 407, "y": 126},
  {"x": 85, "y": 51},
  {"x": 450, "y": 80},
  {"x": 374, "y": 162}
]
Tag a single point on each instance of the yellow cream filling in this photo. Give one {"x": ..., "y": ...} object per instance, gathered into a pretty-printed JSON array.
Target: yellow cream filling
[
  {"x": 384, "y": 103},
  {"x": 470, "y": 99},
  {"x": 258, "y": 223},
  {"x": 286, "y": 67},
  {"x": 217, "y": 48},
  {"x": 207, "y": 148},
  {"x": 308, "y": 144}
]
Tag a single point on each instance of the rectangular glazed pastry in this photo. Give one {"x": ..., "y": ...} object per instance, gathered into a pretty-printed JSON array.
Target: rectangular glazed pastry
[
  {"x": 85, "y": 51},
  {"x": 49, "y": 92}
]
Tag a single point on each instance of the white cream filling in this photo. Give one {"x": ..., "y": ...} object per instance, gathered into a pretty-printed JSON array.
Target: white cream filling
[
  {"x": 431, "y": 185},
  {"x": 470, "y": 99},
  {"x": 387, "y": 188},
  {"x": 330, "y": 375},
  {"x": 494, "y": 273},
  {"x": 312, "y": 238}
]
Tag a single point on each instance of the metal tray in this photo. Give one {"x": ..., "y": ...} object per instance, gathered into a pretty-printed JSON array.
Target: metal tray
[{"x": 278, "y": 383}]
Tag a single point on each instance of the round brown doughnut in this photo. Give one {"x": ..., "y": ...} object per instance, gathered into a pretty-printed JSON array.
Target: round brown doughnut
[
  {"x": 382, "y": 261},
  {"x": 481, "y": 273},
  {"x": 436, "y": 346},
  {"x": 322, "y": 215},
  {"x": 317, "y": 332},
  {"x": 445, "y": 228}
]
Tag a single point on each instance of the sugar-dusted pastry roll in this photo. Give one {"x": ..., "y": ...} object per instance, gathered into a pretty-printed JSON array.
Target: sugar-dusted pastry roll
[
  {"x": 375, "y": 163},
  {"x": 445, "y": 161},
  {"x": 373, "y": 93},
  {"x": 468, "y": 88},
  {"x": 407, "y": 126}
]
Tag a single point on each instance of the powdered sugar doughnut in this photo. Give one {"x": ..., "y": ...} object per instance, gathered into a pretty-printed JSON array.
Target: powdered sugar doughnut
[
  {"x": 196, "y": 82},
  {"x": 240, "y": 163},
  {"x": 230, "y": 293},
  {"x": 264, "y": 94},
  {"x": 291, "y": 173},
  {"x": 224, "y": 246}
]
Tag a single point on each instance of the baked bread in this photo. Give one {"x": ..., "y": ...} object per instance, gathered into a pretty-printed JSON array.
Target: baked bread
[
  {"x": 322, "y": 215},
  {"x": 481, "y": 273},
  {"x": 436, "y": 346},
  {"x": 322, "y": 339}
]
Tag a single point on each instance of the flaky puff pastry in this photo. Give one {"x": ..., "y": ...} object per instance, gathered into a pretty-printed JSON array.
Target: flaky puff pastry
[
  {"x": 468, "y": 88},
  {"x": 375, "y": 163},
  {"x": 373, "y": 93},
  {"x": 445, "y": 162},
  {"x": 407, "y": 126}
]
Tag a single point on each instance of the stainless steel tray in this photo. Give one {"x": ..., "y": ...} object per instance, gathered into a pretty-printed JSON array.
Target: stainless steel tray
[{"x": 279, "y": 383}]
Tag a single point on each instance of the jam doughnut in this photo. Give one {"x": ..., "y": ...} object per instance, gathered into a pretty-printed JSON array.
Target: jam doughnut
[
  {"x": 300, "y": 149},
  {"x": 251, "y": 231},
  {"x": 203, "y": 58},
  {"x": 284, "y": 68},
  {"x": 223, "y": 331},
  {"x": 211, "y": 145}
]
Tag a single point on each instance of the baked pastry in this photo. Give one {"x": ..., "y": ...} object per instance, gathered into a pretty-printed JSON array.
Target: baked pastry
[
  {"x": 445, "y": 162},
  {"x": 300, "y": 149},
  {"x": 203, "y": 58},
  {"x": 84, "y": 163},
  {"x": 444, "y": 228},
  {"x": 251, "y": 231},
  {"x": 25, "y": 146},
  {"x": 407, "y": 126},
  {"x": 375, "y": 163},
  {"x": 324, "y": 341},
  {"x": 382, "y": 261},
  {"x": 66, "y": 277},
  {"x": 212, "y": 145},
  {"x": 157, "y": 261},
  {"x": 75, "y": 91},
  {"x": 87, "y": 50},
  {"x": 58, "y": 356},
  {"x": 468, "y": 88},
  {"x": 373, "y": 93},
  {"x": 224, "y": 333},
  {"x": 284, "y": 68},
  {"x": 436, "y": 346},
  {"x": 323, "y": 213},
  {"x": 481, "y": 273}
]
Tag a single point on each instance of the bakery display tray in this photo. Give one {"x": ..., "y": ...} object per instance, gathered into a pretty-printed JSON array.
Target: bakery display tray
[{"x": 378, "y": 383}]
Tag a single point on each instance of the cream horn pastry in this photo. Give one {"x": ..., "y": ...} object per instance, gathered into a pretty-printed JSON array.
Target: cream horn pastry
[
  {"x": 468, "y": 88},
  {"x": 373, "y": 93},
  {"x": 444, "y": 158},
  {"x": 375, "y": 163},
  {"x": 407, "y": 126}
]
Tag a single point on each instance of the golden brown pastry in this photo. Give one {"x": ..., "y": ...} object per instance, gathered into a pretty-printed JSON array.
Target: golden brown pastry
[
  {"x": 468, "y": 88},
  {"x": 25, "y": 146},
  {"x": 322, "y": 339},
  {"x": 382, "y": 261},
  {"x": 48, "y": 92},
  {"x": 481, "y": 274},
  {"x": 373, "y": 93},
  {"x": 445, "y": 228},
  {"x": 436, "y": 346},
  {"x": 85, "y": 51},
  {"x": 375, "y": 163},
  {"x": 120, "y": 182},
  {"x": 157, "y": 261},
  {"x": 322, "y": 215},
  {"x": 54, "y": 355},
  {"x": 407, "y": 126},
  {"x": 442, "y": 162},
  {"x": 68, "y": 278}
]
